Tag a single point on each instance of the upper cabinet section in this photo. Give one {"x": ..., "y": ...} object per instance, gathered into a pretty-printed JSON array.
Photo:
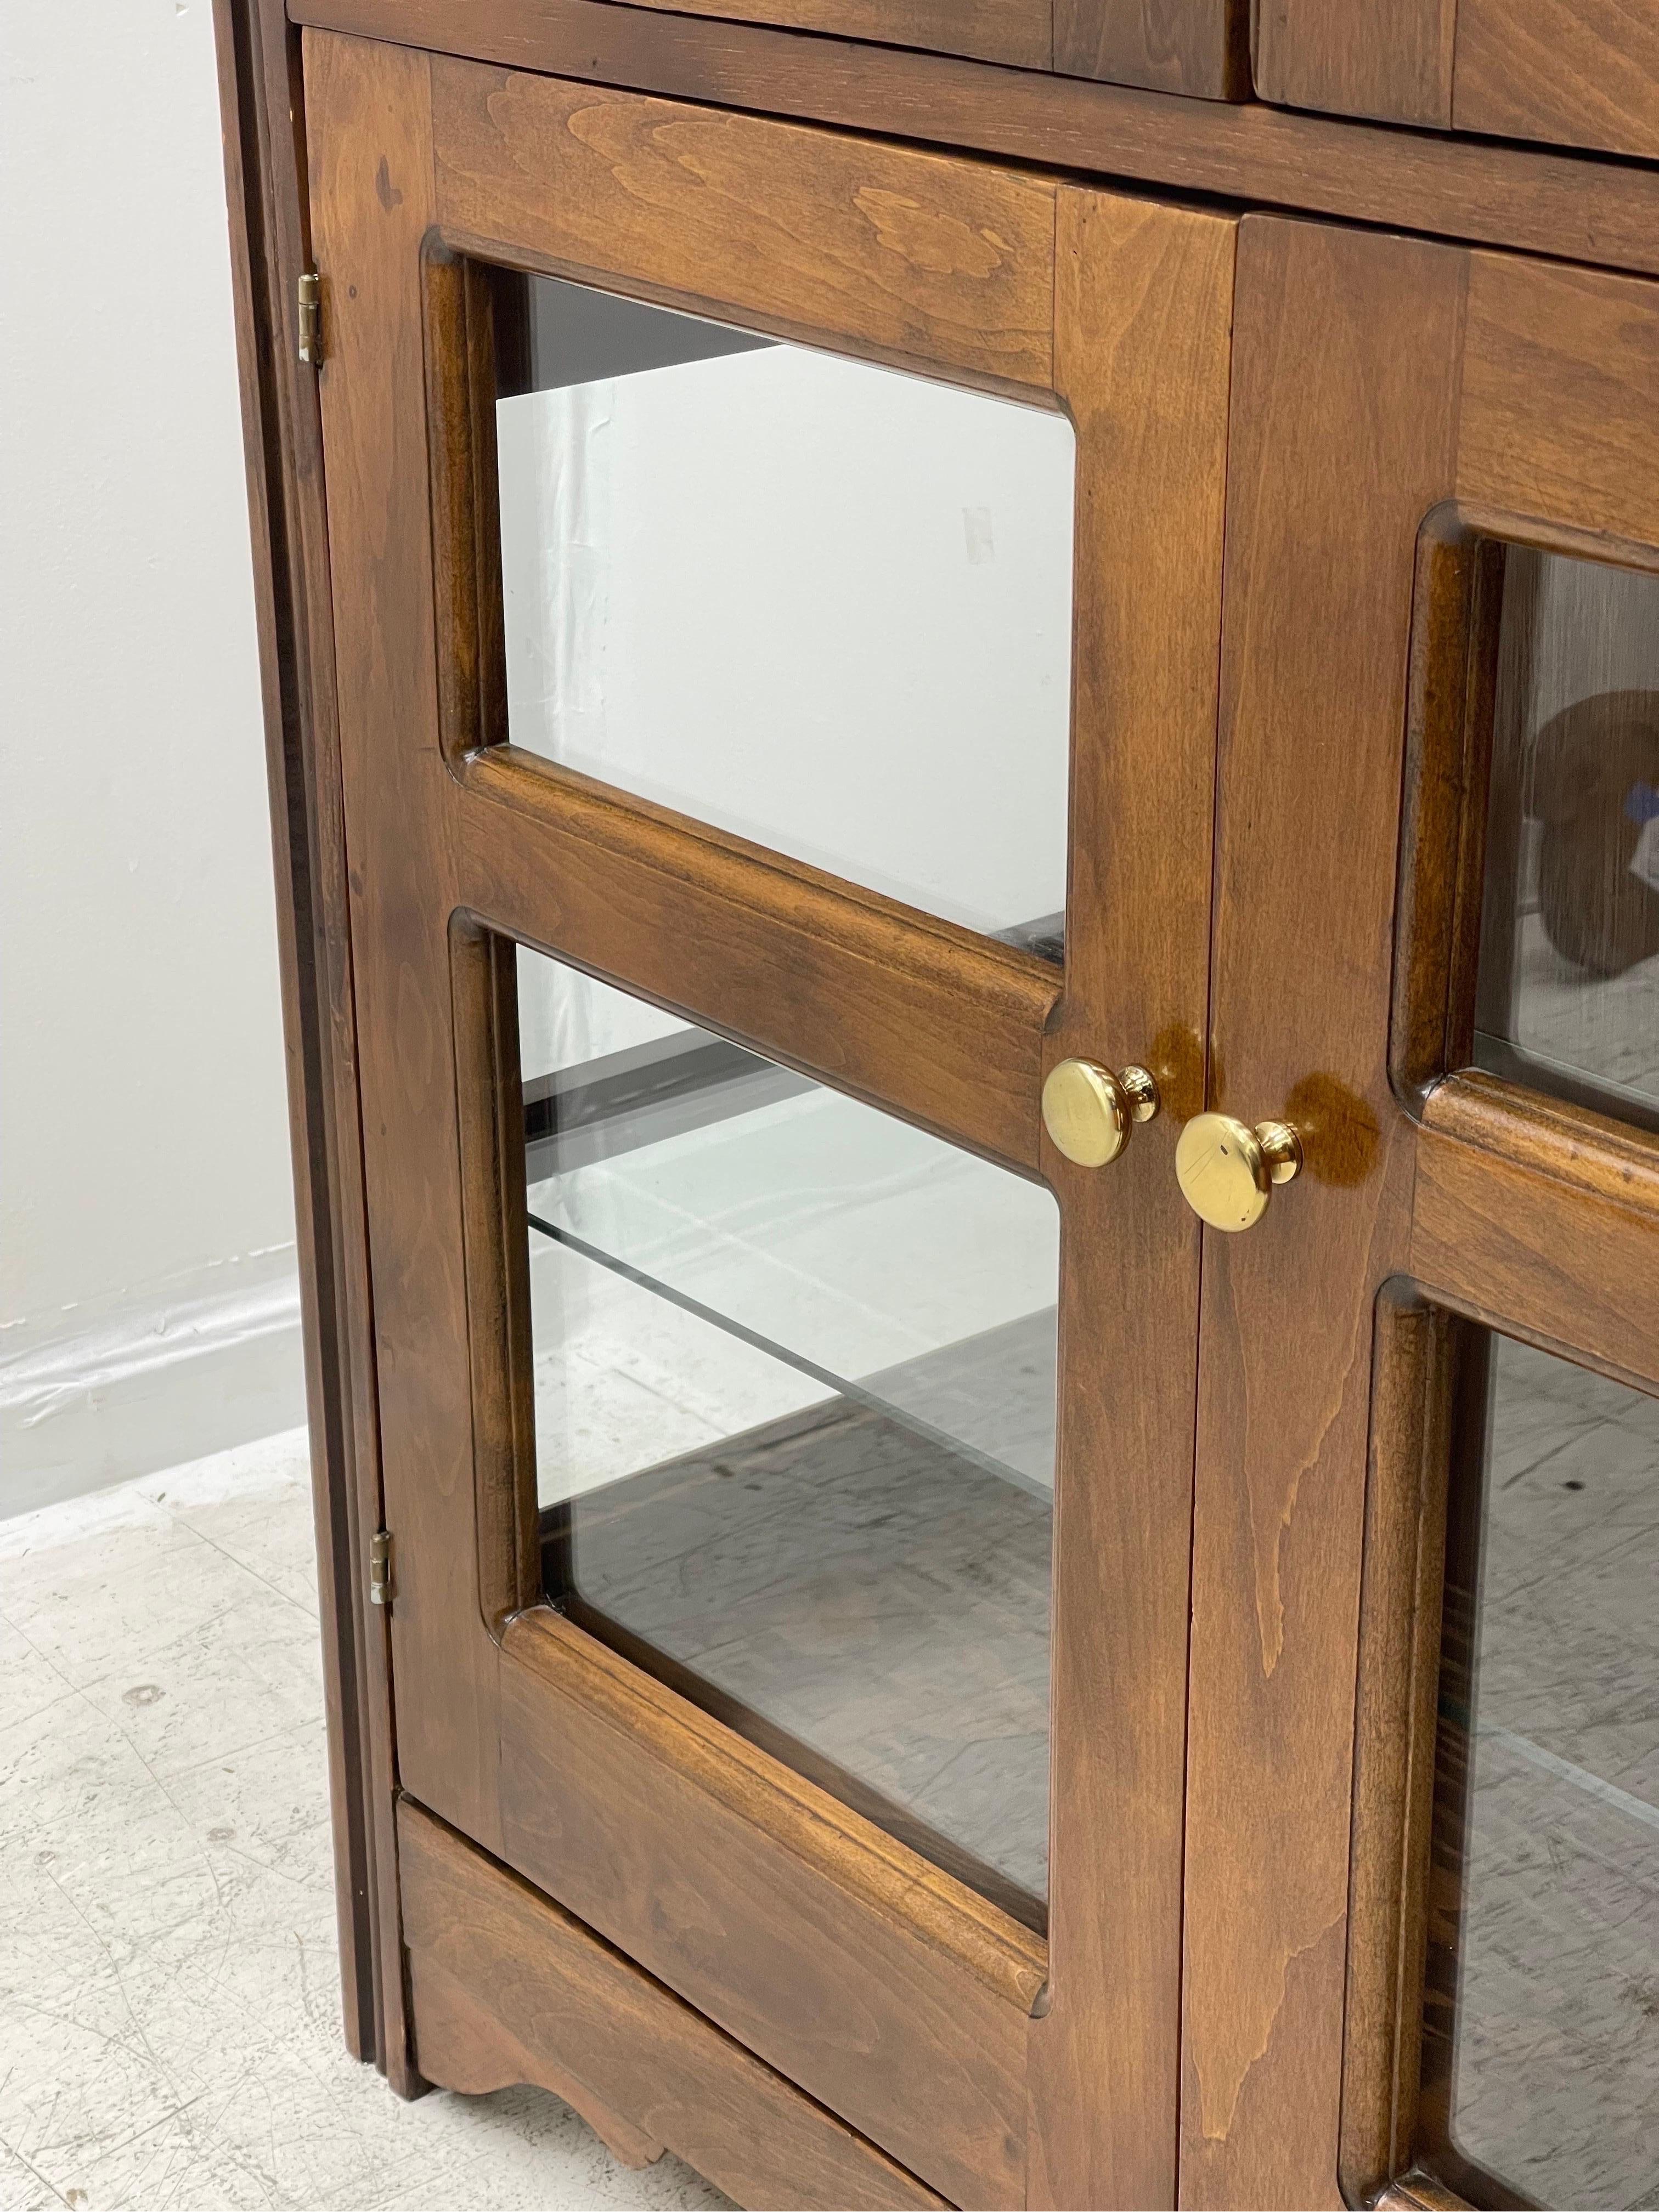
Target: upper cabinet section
[
  {"x": 1193, "y": 46},
  {"x": 1580, "y": 73}
]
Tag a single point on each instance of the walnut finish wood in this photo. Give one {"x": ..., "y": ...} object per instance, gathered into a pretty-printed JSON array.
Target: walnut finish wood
[
  {"x": 1340, "y": 446},
  {"x": 932, "y": 1021},
  {"x": 778, "y": 1913},
  {"x": 1575, "y": 72},
  {"x": 269, "y": 230},
  {"x": 1198, "y": 48},
  {"x": 1018, "y": 32},
  {"x": 506, "y": 1987},
  {"x": 911, "y": 258},
  {"x": 1560, "y": 384},
  {"x": 1389, "y": 58},
  {"x": 875, "y": 1981},
  {"x": 1570, "y": 72},
  {"x": 1376, "y": 383},
  {"x": 1405, "y": 1549},
  {"x": 369, "y": 110},
  {"x": 1593, "y": 211},
  {"x": 1145, "y": 310},
  {"x": 1545, "y": 1218}
]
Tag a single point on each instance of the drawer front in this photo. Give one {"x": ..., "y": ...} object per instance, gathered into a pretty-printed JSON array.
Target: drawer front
[{"x": 1582, "y": 73}]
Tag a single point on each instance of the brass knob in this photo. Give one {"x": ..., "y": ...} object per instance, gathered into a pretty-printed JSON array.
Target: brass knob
[
  {"x": 1227, "y": 1171},
  {"x": 1091, "y": 1113}
]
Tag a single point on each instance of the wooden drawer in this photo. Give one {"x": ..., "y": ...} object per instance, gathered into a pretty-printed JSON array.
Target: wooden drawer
[
  {"x": 506, "y": 1988},
  {"x": 1572, "y": 72},
  {"x": 1196, "y": 48}
]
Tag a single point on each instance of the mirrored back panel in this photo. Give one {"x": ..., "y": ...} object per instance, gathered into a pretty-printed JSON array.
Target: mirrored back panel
[
  {"x": 794, "y": 1366},
  {"x": 809, "y": 600},
  {"x": 1568, "y": 991}
]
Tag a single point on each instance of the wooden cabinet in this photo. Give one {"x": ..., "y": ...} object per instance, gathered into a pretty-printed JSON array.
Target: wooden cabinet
[
  {"x": 1570, "y": 72},
  {"x": 970, "y": 926}
]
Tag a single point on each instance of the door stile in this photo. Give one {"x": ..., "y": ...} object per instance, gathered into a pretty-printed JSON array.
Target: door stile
[
  {"x": 369, "y": 113},
  {"x": 1143, "y": 332},
  {"x": 1344, "y": 411}
]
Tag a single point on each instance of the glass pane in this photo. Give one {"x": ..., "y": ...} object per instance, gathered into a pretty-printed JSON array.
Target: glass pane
[
  {"x": 794, "y": 1379},
  {"x": 817, "y": 603},
  {"x": 1569, "y": 986},
  {"x": 1544, "y": 2007}
]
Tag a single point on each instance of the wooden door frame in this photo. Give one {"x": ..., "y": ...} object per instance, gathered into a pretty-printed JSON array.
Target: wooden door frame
[
  {"x": 929, "y": 1019},
  {"x": 1398, "y": 406}
]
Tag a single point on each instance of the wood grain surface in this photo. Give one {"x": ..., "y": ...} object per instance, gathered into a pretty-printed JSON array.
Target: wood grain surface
[
  {"x": 1414, "y": 1377},
  {"x": 1389, "y": 58},
  {"x": 369, "y": 110},
  {"x": 931, "y": 1020},
  {"x": 1145, "y": 307},
  {"x": 1345, "y": 385},
  {"x": 1574, "y": 72},
  {"x": 1582, "y": 73},
  {"x": 1018, "y": 32},
  {"x": 1596, "y": 211},
  {"x": 1198, "y": 47},
  {"x": 507, "y": 1987},
  {"x": 898, "y": 1995},
  {"x": 1544, "y": 1217},
  {"x": 265, "y": 141},
  {"x": 881, "y": 1985},
  {"x": 909, "y": 256},
  {"x": 1560, "y": 386},
  {"x": 1521, "y": 391}
]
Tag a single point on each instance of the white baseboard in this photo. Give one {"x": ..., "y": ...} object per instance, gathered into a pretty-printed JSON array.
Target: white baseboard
[{"x": 148, "y": 1386}]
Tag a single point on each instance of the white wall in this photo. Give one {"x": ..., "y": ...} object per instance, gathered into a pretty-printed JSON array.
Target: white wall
[{"x": 147, "y": 1307}]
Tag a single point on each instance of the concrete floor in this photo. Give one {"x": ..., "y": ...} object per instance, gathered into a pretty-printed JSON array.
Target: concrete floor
[{"x": 169, "y": 2014}]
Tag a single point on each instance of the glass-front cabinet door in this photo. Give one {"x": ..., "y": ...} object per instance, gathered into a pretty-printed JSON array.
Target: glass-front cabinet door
[
  {"x": 777, "y": 589},
  {"x": 1422, "y": 1819}
]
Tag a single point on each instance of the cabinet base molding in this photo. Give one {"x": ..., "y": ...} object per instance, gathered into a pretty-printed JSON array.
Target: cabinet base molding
[{"x": 506, "y": 1987}]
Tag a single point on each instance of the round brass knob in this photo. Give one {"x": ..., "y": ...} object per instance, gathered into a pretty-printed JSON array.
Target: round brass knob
[
  {"x": 1091, "y": 1113},
  {"x": 1227, "y": 1171}
]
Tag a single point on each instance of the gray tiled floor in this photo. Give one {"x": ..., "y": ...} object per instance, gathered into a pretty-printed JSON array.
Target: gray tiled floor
[{"x": 169, "y": 2021}]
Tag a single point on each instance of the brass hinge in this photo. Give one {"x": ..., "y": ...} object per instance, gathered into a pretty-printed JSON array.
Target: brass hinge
[
  {"x": 311, "y": 318},
  {"x": 379, "y": 1569}
]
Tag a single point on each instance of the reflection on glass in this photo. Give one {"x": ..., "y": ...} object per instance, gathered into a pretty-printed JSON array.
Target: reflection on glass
[
  {"x": 794, "y": 1379},
  {"x": 1569, "y": 982},
  {"x": 817, "y": 603},
  {"x": 1542, "y": 2051}
]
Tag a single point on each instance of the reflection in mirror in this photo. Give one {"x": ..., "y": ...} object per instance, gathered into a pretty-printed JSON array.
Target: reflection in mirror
[
  {"x": 814, "y": 602},
  {"x": 1568, "y": 993},
  {"x": 794, "y": 1391},
  {"x": 1541, "y": 2044}
]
